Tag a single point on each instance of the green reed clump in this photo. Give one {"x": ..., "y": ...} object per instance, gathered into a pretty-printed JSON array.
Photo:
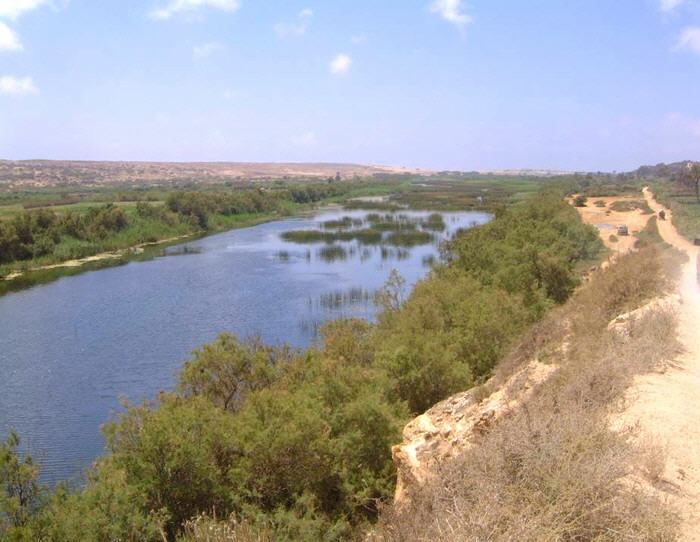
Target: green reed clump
[{"x": 410, "y": 238}]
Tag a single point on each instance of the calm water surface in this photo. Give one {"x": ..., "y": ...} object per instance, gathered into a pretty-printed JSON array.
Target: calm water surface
[{"x": 69, "y": 350}]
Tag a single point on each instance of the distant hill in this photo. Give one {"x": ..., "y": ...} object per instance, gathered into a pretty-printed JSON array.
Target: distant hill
[{"x": 41, "y": 173}]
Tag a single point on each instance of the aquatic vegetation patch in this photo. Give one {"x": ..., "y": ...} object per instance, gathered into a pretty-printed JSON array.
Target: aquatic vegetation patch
[
  {"x": 410, "y": 238},
  {"x": 332, "y": 253},
  {"x": 366, "y": 236}
]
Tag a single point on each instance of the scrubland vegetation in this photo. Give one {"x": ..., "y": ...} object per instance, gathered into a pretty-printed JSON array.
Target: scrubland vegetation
[
  {"x": 260, "y": 442},
  {"x": 553, "y": 469}
]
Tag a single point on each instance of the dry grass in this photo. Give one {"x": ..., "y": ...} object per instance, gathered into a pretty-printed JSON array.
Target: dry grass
[
  {"x": 207, "y": 529},
  {"x": 554, "y": 469}
]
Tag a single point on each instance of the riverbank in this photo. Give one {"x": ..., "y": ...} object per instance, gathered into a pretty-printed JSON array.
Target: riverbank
[
  {"x": 123, "y": 255},
  {"x": 26, "y": 276}
]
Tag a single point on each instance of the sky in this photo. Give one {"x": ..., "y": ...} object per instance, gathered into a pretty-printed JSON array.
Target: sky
[{"x": 439, "y": 84}]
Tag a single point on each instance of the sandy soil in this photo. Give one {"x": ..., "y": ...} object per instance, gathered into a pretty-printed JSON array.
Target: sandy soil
[
  {"x": 667, "y": 405},
  {"x": 607, "y": 221},
  {"x": 43, "y": 173}
]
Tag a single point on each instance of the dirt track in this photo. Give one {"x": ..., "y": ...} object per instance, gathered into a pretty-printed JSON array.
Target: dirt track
[
  {"x": 607, "y": 221},
  {"x": 667, "y": 405}
]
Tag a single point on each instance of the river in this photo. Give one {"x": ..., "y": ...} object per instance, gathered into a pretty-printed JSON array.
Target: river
[{"x": 71, "y": 349}]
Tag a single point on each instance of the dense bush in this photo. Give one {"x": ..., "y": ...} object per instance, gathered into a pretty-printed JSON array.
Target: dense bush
[
  {"x": 449, "y": 334},
  {"x": 531, "y": 250},
  {"x": 33, "y": 234}
]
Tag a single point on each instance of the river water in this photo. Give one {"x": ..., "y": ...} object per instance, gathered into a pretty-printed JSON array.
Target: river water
[{"x": 70, "y": 349}]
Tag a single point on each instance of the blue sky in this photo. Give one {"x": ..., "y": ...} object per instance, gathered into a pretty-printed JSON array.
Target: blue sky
[{"x": 446, "y": 84}]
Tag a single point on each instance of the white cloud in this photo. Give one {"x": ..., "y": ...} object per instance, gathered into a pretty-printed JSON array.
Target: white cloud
[
  {"x": 12, "y": 9},
  {"x": 359, "y": 39},
  {"x": 8, "y": 39},
  {"x": 340, "y": 64},
  {"x": 206, "y": 49},
  {"x": 297, "y": 28},
  {"x": 689, "y": 39},
  {"x": 306, "y": 139},
  {"x": 189, "y": 6},
  {"x": 17, "y": 85},
  {"x": 670, "y": 5},
  {"x": 452, "y": 11}
]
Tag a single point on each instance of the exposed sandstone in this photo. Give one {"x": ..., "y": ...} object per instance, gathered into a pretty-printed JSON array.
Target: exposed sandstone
[{"x": 452, "y": 426}]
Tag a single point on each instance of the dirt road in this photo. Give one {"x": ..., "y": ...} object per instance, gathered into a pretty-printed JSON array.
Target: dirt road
[
  {"x": 600, "y": 213},
  {"x": 667, "y": 405}
]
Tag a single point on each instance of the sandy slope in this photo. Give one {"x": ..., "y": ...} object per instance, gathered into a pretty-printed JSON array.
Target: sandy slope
[{"x": 667, "y": 405}]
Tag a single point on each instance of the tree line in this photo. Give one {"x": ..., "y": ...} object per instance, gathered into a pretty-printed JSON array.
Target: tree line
[{"x": 38, "y": 233}]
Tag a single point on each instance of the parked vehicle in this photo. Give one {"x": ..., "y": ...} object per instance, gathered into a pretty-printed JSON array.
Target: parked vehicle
[{"x": 623, "y": 230}]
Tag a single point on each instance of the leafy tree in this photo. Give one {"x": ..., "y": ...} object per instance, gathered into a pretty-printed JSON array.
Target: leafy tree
[
  {"x": 227, "y": 370},
  {"x": 691, "y": 178},
  {"x": 450, "y": 333},
  {"x": 20, "y": 494},
  {"x": 108, "y": 508},
  {"x": 177, "y": 455}
]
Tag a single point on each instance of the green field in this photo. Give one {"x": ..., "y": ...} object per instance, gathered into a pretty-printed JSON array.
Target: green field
[{"x": 683, "y": 204}]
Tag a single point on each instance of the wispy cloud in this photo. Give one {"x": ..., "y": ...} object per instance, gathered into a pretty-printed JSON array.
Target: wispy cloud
[
  {"x": 17, "y": 86},
  {"x": 359, "y": 39},
  {"x": 296, "y": 28},
  {"x": 207, "y": 49},
  {"x": 678, "y": 121},
  {"x": 668, "y": 6},
  {"x": 452, "y": 11},
  {"x": 689, "y": 40},
  {"x": 9, "y": 41},
  {"x": 340, "y": 65},
  {"x": 305, "y": 139},
  {"x": 12, "y": 9},
  {"x": 175, "y": 7}
]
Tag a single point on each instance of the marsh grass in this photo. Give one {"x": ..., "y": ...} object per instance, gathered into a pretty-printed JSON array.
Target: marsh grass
[
  {"x": 345, "y": 298},
  {"x": 434, "y": 222},
  {"x": 410, "y": 238},
  {"x": 364, "y": 236},
  {"x": 345, "y": 222},
  {"x": 333, "y": 253}
]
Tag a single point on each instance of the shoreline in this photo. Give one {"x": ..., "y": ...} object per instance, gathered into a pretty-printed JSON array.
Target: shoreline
[
  {"x": 120, "y": 255},
  {"x": 124, "y": 255},
  {"x": 100, "y": 256}
]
